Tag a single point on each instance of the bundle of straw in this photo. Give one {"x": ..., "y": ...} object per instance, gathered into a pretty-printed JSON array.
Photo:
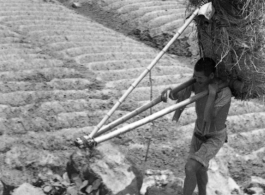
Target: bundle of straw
[{"x": 235, "y": 38}]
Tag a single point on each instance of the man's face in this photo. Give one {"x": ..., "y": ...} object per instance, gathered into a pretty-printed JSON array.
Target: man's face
[{"x": 201, "y": 79}]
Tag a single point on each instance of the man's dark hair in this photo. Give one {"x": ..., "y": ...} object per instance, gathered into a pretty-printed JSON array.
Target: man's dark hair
[{"x": 206, "y": 65}]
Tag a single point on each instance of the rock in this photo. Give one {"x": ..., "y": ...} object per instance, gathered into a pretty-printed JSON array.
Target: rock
[
  {"x": 25, "y": 162},
  {"x": 64, "y": 183},
  {"x": 256, "y": 191},
  {"x": 22, "y": 156},
  {"x": 66, "y": 178},
  {"x": 96, "y": 184},
  {"x": 37, "y": 182},
  {"x": 257, "y": 180},
  {"x": 57, "y": 178},
  {"x": 47, "y": 189},
  {"x": 147, "y": 183},
  {"x": 161, "y": 182},
  {"x": 169, "y": 189},
  {"x": 89, "y": 189},
  {"x": 106, "y": 170},
  {"x": 73, "y": 190},
  {"x": 27, "y": 189},
  {"x": 84, "y": 185},
  {"x": 76, "y": 5},
  {"x": 256, "y": 186},
  {"x": 219, "y": 180}
]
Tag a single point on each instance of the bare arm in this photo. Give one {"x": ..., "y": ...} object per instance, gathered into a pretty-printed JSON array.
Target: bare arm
[{"x": 221, "y": 107}]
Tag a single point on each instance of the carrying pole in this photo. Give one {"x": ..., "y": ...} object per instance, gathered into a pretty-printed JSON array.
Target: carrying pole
[
  {"x": 138, "y": 80},
  {"x": 149, "y": 118},
  {"x": 142, "y": 108},
  {"x": 154, "y": 116}
]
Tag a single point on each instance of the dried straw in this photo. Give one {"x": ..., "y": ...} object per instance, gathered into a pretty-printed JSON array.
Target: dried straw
[{"x": 235, "y": 38}]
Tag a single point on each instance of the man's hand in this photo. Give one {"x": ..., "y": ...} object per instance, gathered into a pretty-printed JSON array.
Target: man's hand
[{"x": 166, "y": 94}]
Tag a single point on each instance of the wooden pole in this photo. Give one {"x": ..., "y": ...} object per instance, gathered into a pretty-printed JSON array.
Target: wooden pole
[
  {"x": 153, "y": 116},
  {"x": 138, "y": 80},
  {"x": 128, "y": 116},
  {"x": 149, "y": 118},
  {"x": 142, "y": 108}
]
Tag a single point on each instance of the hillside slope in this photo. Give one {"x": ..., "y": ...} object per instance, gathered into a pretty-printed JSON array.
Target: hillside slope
[
  {"x": 58, "y": 77},
  {"x": 153, "y": 22},
  {"x": 61, "y": 72}
]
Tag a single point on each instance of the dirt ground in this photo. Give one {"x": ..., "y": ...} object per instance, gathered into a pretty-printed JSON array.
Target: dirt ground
[{"x": 113, "y": 21}]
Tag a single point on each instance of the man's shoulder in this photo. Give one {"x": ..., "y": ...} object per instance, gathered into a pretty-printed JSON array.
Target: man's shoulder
[
  {"x": 226, "y": 92},
  {"x": 223, "y": 97}
]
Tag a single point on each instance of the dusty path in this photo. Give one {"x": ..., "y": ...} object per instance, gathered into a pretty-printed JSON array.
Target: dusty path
[{"x": 60, "y": 72}]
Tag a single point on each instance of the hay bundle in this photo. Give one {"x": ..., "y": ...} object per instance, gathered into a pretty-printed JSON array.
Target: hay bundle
[{"x": 235, "y": 38}]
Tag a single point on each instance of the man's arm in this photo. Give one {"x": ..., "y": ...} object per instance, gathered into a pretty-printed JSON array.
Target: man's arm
[
  {"x": 221, "y": 107},
  {"x": 181, "y": 95},
  {"x": 223, "y": 98}
]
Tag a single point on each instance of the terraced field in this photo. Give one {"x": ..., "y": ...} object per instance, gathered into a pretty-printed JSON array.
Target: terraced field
[
  {"x": 61, "y": 72},
  {"x": 157, "y": 16},
  {"x": 154, "y": 22}
]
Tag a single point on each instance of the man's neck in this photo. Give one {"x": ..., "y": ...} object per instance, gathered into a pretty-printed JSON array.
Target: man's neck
[{"x": 205, "y": 86}]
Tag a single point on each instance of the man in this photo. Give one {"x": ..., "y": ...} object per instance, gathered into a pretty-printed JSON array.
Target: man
[{"x": 210, "y": 129}]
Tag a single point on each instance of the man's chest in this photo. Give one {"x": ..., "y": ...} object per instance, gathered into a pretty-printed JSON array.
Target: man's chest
[
  {"x": 200, "y": 106},
  {"x": 201, "y": 103}
]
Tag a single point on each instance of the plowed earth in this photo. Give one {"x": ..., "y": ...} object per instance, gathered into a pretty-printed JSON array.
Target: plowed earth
[
  {"x": 153, "y": 22},
  {"x": 62, "y": 71}
]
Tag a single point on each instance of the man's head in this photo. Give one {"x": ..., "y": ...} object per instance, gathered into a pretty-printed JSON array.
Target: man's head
[{"x": 204, "y": 71}]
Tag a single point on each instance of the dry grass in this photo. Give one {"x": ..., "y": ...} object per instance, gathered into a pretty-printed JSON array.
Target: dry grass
[{"x": 235, "y": 37}]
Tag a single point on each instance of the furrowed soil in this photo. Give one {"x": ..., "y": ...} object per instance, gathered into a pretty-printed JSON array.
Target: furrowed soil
[
  {"x": 123, "y": 22},
  {"x": 62, "y": 70}
]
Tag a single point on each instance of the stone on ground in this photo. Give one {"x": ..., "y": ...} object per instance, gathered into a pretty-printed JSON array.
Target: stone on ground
[
  {"x": 166, "y": 183},
  {"x": 161, "y": 182},
  {"x": 27, "y": 189},
  {"x": 220, "y": 182},
  {"x": 256, "y": 186},
  {"x": 104, "y": 169},
  {"x": 258, "y": 181}
]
